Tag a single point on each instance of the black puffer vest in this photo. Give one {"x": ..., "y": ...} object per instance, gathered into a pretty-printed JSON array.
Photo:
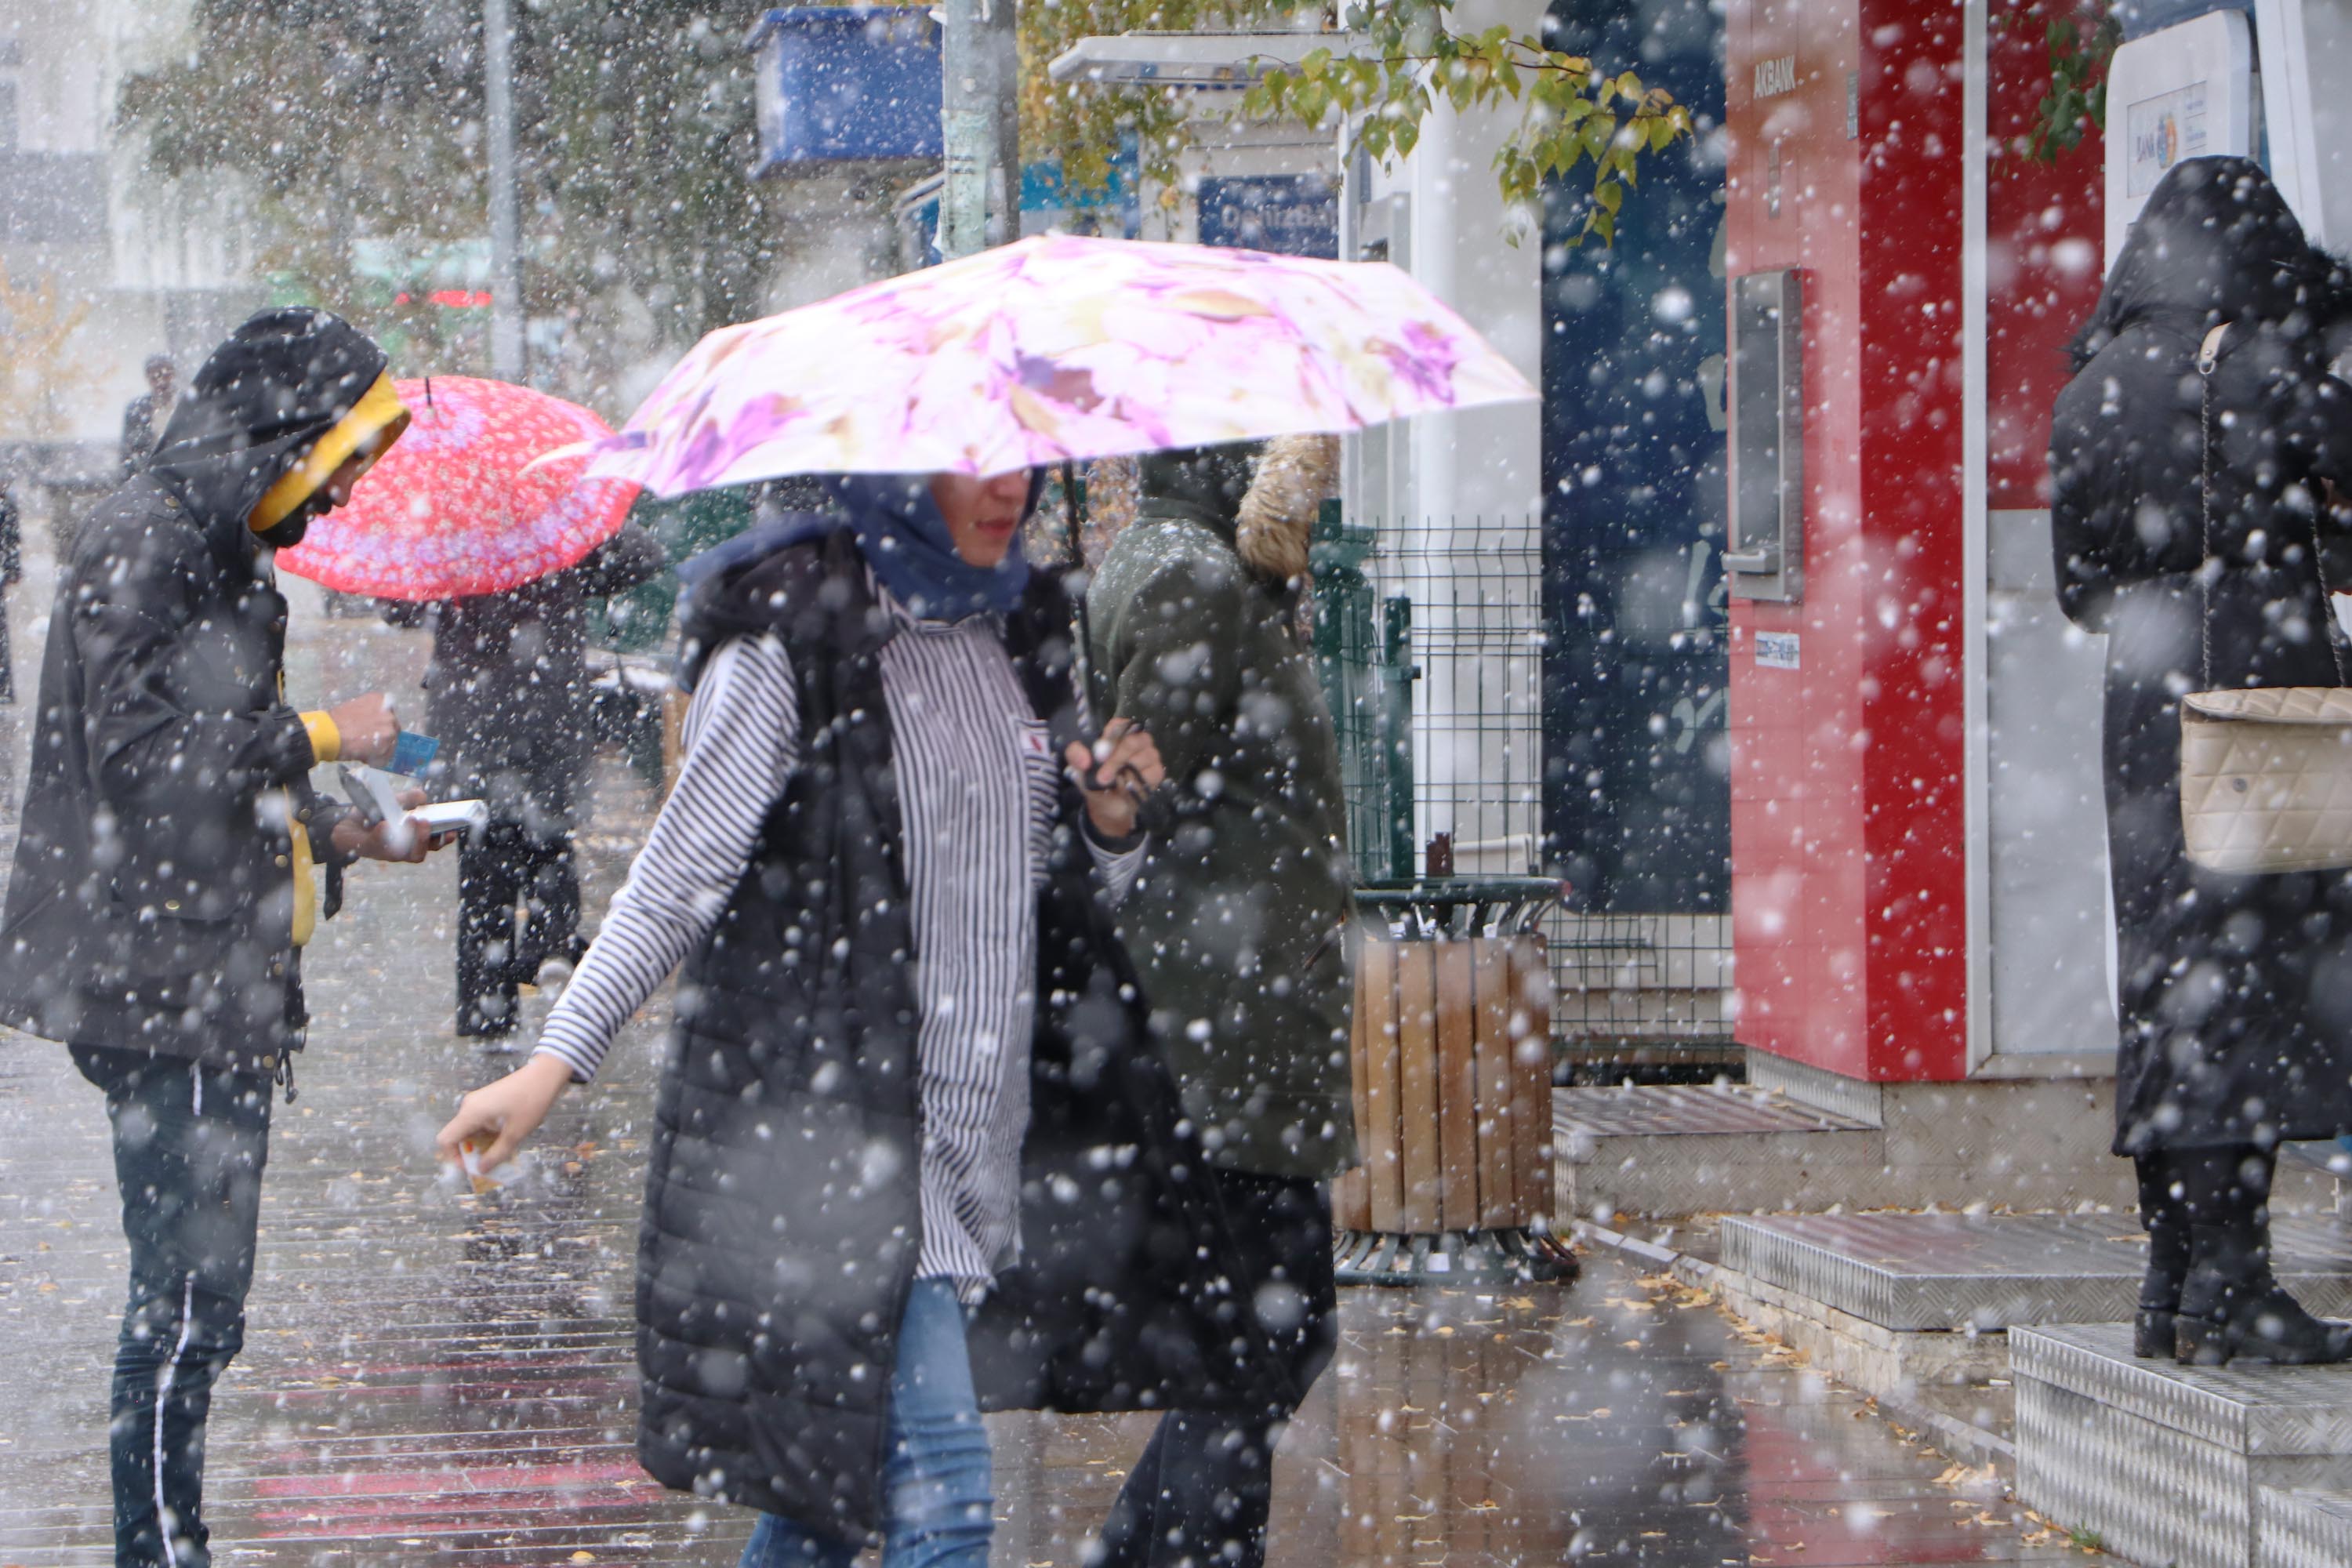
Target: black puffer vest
[{"x": 781, "y": 1221}]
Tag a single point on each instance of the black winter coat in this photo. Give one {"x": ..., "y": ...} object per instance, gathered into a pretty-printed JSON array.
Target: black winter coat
[
  {"x": 508, "y": 685},
  {"x": 2235, "y": 992},
  {"x": 781, "y": 1221},
  {"x": 151, "y": 901}
]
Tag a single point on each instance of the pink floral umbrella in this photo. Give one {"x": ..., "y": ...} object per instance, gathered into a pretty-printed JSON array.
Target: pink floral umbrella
[
  {"x": 1054, "y": 349},
  {"x": 468, "y": 500}
]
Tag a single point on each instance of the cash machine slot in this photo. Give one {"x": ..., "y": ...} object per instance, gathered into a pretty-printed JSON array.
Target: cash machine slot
[{"x": 1766, "y": 557}]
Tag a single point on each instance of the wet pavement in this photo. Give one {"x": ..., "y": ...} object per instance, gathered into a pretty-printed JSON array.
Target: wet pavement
[{"x": 431, "y": 1376}]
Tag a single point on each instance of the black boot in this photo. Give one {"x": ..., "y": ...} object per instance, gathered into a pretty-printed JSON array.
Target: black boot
[
  {"x": 2163, "y": 1210},
  {"x": 2233, "y": 1307}
]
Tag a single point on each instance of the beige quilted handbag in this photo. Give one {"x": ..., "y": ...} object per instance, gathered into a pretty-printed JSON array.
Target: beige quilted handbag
[
  {"x": 2267, "y": 778},
  {"x": 2267, "y": 772}
]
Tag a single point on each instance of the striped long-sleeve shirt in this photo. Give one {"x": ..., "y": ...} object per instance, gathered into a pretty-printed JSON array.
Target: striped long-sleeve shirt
[{"x": 978, "y": 785}]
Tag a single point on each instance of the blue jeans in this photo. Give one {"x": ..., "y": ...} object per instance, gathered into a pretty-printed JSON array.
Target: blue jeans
[
  {"x": 939, "y": 1507},
  {"x": 189, "y": 1145}
]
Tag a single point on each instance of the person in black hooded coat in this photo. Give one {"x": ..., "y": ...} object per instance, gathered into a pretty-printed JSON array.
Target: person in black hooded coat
[
  {"x": 508, "y": 700},
  {"x": 914, "y": 1154},
  {"x": 2235, "y": 992},
  {"x": 164, "y": 882}
]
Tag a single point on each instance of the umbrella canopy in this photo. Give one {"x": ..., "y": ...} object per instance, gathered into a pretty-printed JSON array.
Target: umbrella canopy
[
  {"x": 1054, "y": 349},
  {"x": 457, "y": 507}
]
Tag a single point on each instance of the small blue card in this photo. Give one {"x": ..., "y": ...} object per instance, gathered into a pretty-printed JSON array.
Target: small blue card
[{"x": 411, "y": 753}]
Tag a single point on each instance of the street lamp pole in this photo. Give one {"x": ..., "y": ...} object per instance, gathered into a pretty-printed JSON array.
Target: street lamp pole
[
  {"x": 507, "y": 347},
  {"x": 979, "y": 127}
]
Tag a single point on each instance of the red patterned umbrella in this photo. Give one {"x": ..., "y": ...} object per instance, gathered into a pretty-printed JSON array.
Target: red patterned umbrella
[{"x": 451, "y": 510}]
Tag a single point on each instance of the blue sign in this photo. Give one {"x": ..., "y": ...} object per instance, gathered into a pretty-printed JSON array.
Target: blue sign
[
  {"x": 836, "y": 83},
  {"x": 1290, "y": 215},
  {"x": 1046, "y": 205}
]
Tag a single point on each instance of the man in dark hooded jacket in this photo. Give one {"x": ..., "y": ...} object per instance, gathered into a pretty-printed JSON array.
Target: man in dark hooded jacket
[
  {"x": 1238, "y": 926},
  {"x": 510, "y": 705},
  {"x": 165, "y": 880}
]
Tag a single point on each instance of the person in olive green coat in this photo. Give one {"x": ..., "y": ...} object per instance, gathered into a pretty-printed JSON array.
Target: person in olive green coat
[{"x": 1239, "y": 926}]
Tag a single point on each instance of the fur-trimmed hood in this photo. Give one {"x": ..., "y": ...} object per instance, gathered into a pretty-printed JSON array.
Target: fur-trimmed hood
[{"x": 1276, "y": 520}]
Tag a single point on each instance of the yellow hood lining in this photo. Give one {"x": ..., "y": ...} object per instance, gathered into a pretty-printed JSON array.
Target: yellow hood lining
[{"x": 369, "y": 430}]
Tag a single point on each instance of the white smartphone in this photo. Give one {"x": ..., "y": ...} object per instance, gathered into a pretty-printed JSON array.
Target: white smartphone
[{"x": 452, "y": 816}]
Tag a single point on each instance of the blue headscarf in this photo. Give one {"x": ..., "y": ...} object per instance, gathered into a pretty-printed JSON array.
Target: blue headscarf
[{"x": 903, "y": 538}]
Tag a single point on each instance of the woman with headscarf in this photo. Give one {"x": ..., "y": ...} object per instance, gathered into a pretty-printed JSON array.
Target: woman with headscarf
[
  {"x": 909, "y": 1073},
  {"x": 2195, "y": 521}
]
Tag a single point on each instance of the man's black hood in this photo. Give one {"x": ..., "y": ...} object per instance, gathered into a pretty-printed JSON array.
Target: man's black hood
[{"x": 258, "y": 404}]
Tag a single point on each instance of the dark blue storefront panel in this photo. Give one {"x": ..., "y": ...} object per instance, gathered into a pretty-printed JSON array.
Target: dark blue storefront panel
[{"x": 1637, "y": 776}]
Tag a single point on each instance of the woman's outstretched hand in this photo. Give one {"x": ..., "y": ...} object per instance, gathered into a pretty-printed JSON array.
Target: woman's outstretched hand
[
  {"x": 496, "y": 1117},
  {"x": 1123, "y": 767}
]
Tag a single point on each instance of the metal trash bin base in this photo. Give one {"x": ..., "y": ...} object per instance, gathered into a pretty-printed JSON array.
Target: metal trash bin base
[{"x": 1521, "y": 1255}]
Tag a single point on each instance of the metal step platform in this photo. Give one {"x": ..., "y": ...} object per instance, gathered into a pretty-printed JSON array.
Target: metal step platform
[
  {"x": 1926, "y": 1272},
  {"x": 2298, "y": 1529},
  {"x": 1676, "y": 1149},
  {"x": 2240, "y": 1467}
]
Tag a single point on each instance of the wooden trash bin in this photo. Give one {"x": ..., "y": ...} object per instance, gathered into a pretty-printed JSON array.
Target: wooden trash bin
[{"x": 1452, "y": 1053}]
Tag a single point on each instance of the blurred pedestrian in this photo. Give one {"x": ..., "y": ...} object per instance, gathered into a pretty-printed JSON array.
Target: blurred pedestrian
[
  {"x": 145, "y": 416},
  {"x": 509, "y": 702},
  {"x": 2235, "y": 992},
  {"x": 165, "y": 880},
  {"x": 1239, "y": 926},
  {"x": 853, "y": 1149},
  {"x": 11, "y": 572}
]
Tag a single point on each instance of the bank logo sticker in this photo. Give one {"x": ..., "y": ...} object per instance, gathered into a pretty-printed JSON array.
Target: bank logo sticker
[
  {"x": 1775, "y": 77},
  {"x": 2160, "y": 131}
]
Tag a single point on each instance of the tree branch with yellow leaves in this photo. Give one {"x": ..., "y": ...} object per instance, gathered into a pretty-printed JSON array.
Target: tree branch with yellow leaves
[{"x": 1394, "y": 62}]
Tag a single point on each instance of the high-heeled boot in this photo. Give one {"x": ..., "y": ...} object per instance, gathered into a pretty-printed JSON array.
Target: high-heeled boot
[{"x": 2233, "y": 1307}]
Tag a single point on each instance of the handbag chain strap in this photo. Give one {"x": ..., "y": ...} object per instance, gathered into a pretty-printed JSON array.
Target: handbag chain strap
[{"x": 2208, "y": 354}]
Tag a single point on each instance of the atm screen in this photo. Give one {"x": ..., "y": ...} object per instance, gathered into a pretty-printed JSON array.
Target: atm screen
[{"x": 1765, "y": 559}]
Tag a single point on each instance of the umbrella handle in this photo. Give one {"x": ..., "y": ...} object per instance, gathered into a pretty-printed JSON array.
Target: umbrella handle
[{"x": 1082, "y": 664}]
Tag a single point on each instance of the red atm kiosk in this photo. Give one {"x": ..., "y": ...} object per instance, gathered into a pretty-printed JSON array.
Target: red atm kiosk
[{"x": 1904, "y": 278}]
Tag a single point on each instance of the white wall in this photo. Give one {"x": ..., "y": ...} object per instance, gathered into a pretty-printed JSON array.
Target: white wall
[{"x": 1458, "y": 497}]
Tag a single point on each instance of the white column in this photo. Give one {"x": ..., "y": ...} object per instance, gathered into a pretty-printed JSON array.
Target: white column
[{"x": 1470, "y": 548}]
